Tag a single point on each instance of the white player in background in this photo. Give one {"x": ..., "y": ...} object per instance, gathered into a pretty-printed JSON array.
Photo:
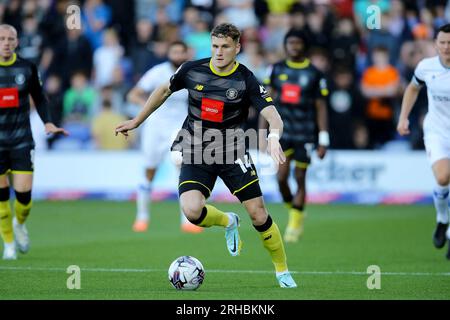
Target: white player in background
[
  {"x": 435, "y": 74},
  {"x": 160, "y": 130}
]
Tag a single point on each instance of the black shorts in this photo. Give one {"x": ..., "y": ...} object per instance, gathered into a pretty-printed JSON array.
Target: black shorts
[
  {"x": 240, "y": 178},
  {"x": 300, "y": 151},
  {"x": 17, "y": 160}
]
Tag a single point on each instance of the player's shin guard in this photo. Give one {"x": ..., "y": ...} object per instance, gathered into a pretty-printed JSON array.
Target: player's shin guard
[
  {"x": 22, "y": 206},
  {"x": 6, "y": 227},
  {"x": 440, "y": 198},
  {"x": 271, "y": 238},
  {"x": 212, "y": 216}
]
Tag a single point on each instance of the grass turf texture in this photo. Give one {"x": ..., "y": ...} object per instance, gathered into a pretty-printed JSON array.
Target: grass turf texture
[{"x": 330, "y": 262}]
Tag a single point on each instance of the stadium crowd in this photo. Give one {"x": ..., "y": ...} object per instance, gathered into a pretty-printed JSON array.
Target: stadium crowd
[{"x": 88, "y": 71}]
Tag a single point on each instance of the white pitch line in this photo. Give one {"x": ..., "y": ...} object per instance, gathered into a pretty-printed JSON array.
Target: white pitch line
[{"x": 130, "y": 270}]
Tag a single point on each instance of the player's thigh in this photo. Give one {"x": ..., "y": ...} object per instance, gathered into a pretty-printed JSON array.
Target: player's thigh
[
  {"x": 22, "y": 166},
  {"x": 4, "y": 182},
  {"x": 285, "y": 168},
  {"x": 241, "y": 178},
  {"x": 197, "y": 177},
  {"x": 441, "y": 171},
  {"x": 22, "y": 182},
  {"x": 5, "y": 167},
  {"x": 302, "y": 155},
  {"x": 438, "y": 154}
]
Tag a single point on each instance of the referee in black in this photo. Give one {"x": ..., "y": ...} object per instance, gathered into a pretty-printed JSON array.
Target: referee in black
[
  {"x": 19, "y": 79},
  {"x": 220, "y": 93}
]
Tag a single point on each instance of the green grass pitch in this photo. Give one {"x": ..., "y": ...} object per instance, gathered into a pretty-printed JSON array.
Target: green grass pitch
[{"x": 330, "y": 262}]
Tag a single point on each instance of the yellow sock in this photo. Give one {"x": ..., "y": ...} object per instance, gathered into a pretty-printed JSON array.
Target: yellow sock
[
  {"x": 288, "y": 205},
  {"x": 6, "y": 227},
  {"x": 271, "y": 239},
  {"x": 22, "y": 211},
  {"x": 214, "y": 217},
  {"x": 295, "y": 218}
]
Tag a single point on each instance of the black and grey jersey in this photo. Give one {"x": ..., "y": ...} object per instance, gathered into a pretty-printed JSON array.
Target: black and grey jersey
[
  {"x": 218, "y": 101},
  {"x": 295, "y": 88},
  {"x": 18, "y": 79}
]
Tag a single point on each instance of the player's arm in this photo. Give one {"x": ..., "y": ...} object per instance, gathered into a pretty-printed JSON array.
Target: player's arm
[
  {"x": 137, "y": 96},
  {"x": 41, "y": 104},
  {"x": 271, "y": 115},
  {"x": 322, "y": 124},
  {"x": 409, "y": 99},
  {"x": 322, "y": 116},
  {"x": 155, "y": 100}
]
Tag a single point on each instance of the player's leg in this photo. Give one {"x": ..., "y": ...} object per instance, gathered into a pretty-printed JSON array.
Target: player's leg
[
  {"x": 143, "y": 201},
  {"x": 283, "y": 173},
  {"x": 22, "y": 183},
  {"x": 186, "y": 225},
  {"x": 6, "y": 226},
  {"x": 438, "y": 153},
  {"x": 441, "y": 171},
  {"x": 270, "y": 236},
  {"x": 196, "y": 183},
  {"x": 297, "y": 214},
  {"x": 153, "y": 150}
]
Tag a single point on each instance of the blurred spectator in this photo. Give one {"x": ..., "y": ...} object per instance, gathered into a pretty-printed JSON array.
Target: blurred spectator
[
  {"x": 320, "y": 59},
  {"x": 344, "y": 43},
  {"x": 251, "y": 56},
  {"x": 171, "y": 8},
  {"x": 273, "y": 31},
  {"x": 54, "y": 91},
  {"x": 79, "y": 100},
  {"x": 12, "y": 15},
  {"x": 380, "y": 84},
  {"x": 361, "y": 140},
  {"x": 30, "y": 40},
  {"x": 200, "y": 40},
  {"x": 238, "y": 12},
  {"x": 107, "y": 58},
  {"x": 382, "y": 37},
  {"x": 103, "y": 126},
  {"x": 96, "y": 17},
  {"x": 344, "y": 104}
]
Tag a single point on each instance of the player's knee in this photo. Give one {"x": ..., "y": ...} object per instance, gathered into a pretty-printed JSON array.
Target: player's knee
[
  {"x": 192, "y": 207},
  {"x": 257, "y": 212},
  {"x": 4, "y": 194},
  {"x": 23, "y": 197},
  {"x": 443, "y": 178}
]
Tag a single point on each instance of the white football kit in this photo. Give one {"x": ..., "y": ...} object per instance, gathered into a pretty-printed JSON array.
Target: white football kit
[
  {"x": 436, "y": 126},
  {"x": 161, "y": 128}
]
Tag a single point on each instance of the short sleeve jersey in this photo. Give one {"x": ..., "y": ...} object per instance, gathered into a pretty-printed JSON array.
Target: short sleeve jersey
[
  {"x": 296, "y": 86},
  {"x": 436, "y": 76}
]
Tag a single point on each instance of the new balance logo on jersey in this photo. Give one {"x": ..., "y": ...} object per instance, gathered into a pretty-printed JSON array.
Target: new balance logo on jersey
[{"x": 198, "y": 87}]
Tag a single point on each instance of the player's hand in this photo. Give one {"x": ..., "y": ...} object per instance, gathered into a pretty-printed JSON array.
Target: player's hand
[
  {"x": 275, "y": 150},
  {"x": 50, "y": 128},
  {"x": 126, "y": 126},
  {"x": 321, "y": 152},
  {"x": 403, "y": 127}
]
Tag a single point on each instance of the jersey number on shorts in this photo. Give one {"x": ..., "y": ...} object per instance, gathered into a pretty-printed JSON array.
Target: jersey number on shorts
[{"x": 244, "y": 164}]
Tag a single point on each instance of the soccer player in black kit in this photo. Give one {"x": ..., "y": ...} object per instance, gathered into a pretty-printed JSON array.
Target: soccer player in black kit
[
  {"x": 18, "y": 80},
  {"x": 220, "y": 93},
  {"x": 300, "y": 91}
]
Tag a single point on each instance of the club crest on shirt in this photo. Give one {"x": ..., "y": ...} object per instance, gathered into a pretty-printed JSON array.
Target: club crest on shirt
[
  {"x": 232, "y": 93},
  {"x": 303, "y": 81},
  {"x": 20, "y": 79}
]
